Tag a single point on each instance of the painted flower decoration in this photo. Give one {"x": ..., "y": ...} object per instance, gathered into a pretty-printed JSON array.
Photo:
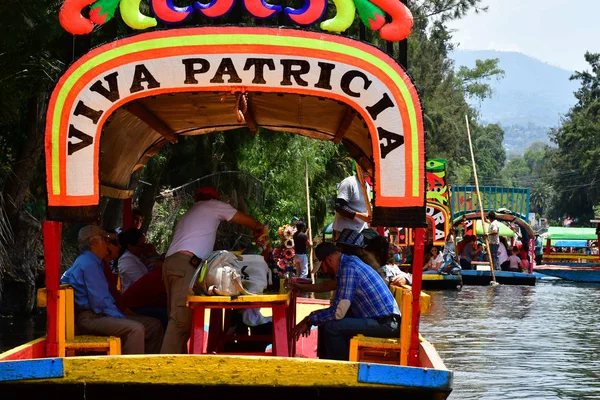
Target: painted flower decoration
[
  {"x": 289, "y": 253},
  {"x": 289, "y": 243},
  {"x": 288, "y": 232},
  {"x": 281, "y": 263},
  {"x": 280, "y": 231},
  {"x": 276, "y": 253}
]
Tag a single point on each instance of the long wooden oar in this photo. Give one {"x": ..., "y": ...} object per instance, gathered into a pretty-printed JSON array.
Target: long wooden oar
[
  {"x": 310, "y": 256},
  {"x": 487, "y": 242}
]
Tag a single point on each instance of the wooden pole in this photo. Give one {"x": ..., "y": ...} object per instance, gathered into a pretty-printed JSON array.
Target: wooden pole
[
  {"x": 310, "y": 254},
  {"x": 487, "y": 242},
  {"x": 363, "y": 188}
]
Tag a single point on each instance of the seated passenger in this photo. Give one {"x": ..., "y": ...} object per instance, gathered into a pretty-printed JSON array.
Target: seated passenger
[
  {"x": 432, "y": 266},
  {"x": 387, "y": 268},
  {"x": 515, "y": 260},
  {"x": 362, "y": 293},
  {"x": 131, "y": 267},
  {"x": 503, "y": 254},
  {"x": 449, "y": 255},
  {"x": 95, "y": 309},
  {"x": 470, "y": 252}
]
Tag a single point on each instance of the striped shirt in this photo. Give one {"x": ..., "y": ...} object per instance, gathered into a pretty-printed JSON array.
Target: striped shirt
[{"x": 363, "y": 288}]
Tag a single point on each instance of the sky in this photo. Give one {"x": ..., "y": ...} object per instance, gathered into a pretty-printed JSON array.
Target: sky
[{"x": 558, "y": 32}]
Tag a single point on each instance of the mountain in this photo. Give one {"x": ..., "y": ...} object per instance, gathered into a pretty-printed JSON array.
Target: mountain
[{"x": 528, "y": 101}]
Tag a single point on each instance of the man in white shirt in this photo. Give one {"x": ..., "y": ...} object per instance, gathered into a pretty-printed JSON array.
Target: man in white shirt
[
  {"x": 193, "y": 241},
  {"x": 494, "y": 237},
  {"x": 350, "y": 207}
]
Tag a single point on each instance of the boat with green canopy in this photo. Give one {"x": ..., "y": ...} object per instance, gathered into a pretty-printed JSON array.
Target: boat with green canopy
[{"x": 568, "y": 254}]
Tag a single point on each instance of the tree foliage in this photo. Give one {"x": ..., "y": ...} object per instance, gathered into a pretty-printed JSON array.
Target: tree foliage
[{"x": 576, "y": 162}]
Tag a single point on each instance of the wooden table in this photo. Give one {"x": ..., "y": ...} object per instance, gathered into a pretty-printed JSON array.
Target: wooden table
[{"x": 283, "y": 319}]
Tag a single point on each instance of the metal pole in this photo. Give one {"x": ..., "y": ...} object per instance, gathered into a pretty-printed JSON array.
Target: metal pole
[{"x": 487, "y": 242}]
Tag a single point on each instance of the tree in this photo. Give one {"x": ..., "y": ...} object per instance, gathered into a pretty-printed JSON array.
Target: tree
[{"x": 576, "y": 162}]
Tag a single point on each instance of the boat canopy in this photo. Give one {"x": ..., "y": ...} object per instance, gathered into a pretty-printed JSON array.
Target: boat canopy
[
  {"x": 567, "y": 233},
  {"x": 504, "y": 230}
]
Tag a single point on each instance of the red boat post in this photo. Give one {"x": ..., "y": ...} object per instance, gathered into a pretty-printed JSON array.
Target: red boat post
[{"x": 52, "y": 248}]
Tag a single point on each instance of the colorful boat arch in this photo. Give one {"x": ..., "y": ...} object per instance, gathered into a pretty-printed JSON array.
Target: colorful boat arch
[{"x": 238, "y": 60}]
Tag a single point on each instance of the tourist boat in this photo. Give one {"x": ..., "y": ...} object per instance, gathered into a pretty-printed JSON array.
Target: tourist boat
[
  {"x": 575, "y": 266},
  {"x": 140, "y": 92},
  {"x": 481, "y": 275}
]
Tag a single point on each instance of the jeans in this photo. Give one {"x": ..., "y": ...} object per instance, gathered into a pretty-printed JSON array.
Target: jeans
[
  {"x": 334, "y": 336},
  {"x": 449, "y": 261},
  {"x": 494, "y": 251},
  {"x": 301, "y": 263}
]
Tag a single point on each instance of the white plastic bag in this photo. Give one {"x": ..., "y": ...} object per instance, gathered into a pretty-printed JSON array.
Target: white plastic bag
[
  {"x": 218, "y": 275},
  {"x": 255, "y": 273}
]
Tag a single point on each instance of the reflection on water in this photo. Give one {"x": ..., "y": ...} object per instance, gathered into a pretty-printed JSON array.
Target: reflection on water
[
  {"x": 507, "y": 342},
  {"x": 15, "y": 331},
  {"x": 519, "y": 342}
]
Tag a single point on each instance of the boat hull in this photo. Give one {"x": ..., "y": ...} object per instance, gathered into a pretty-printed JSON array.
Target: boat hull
[
  {"x": 576, "y": 274},
  {"x": 483, "y": 278},
  {"x": 440, "y": 282},
  {"x": 158, "y": 376}
]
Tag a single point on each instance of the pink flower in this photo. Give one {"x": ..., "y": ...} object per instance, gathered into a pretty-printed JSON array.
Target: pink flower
[{"x": 289, "y": 253}]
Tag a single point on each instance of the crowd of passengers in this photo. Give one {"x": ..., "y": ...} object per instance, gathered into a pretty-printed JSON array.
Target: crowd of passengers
[{"x": 124, "y": 288}]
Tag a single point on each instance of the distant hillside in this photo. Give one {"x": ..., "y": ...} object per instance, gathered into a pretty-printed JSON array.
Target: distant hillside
[{"x": 528, "y": 101}]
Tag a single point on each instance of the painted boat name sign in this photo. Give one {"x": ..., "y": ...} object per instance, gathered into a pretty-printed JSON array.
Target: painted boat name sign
[
  {"x": 250, "y": 71},
  {"x": 235, "y": 60}
]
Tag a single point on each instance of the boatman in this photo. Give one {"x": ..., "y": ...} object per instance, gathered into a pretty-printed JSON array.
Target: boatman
[
  {"x": 363, "y": 304},
  {"x": 494, "y": 237},
  {"x": 350, "y": 207},
  {"x": 193, "y": 241}
]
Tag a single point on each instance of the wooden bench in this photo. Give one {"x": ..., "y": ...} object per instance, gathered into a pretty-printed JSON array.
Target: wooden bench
[
  {"x": 390, "y": 350},
  {"x": 70, "y": 344}
]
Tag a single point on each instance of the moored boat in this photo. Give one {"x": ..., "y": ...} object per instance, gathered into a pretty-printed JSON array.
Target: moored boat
[{"x": 577, "y": 265}]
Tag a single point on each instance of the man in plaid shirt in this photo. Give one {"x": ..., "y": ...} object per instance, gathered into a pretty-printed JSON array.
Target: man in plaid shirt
[{"x": 363, "y": 304}]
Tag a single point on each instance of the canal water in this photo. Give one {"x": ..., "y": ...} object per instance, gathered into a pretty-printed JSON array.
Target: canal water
[
  {"x": 519, "y": 342},
  {"x": 506, "y": 342}
]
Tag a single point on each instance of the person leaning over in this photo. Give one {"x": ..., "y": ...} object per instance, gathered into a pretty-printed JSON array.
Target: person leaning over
[
  {"x": 193, "y": 241},
  {"x": 95, "y": 309},
  {"x": 362, "y": 293}
]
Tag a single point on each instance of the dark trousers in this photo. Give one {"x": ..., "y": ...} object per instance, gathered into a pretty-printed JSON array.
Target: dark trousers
[
  {"x": 334, "y": 336},
  {"x": 465, "y": 264}
]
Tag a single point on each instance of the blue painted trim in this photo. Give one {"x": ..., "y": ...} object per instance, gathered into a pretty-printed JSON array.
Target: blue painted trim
[
  {"x": 412, "y": 377},
  {"x": 503, "y": 274},
  {"x": 42, "y": 368}
]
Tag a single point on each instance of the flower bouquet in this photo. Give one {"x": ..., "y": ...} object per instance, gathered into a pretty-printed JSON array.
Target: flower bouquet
[{"x": 284, "y": 253}]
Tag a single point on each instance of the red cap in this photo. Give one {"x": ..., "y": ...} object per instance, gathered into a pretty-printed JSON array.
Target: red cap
[{"x": 206, "y": 193}]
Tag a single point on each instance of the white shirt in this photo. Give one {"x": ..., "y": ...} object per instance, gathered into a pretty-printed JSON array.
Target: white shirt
[
  {"x": 131, "y": 268},
  {"x": 197, "y": 229},
  {"x": 449, "y": 245},
  {"x": 493, "y": 230},
  {"x": 349, "y": 190},
  {"x": 502, "y": 254}
]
